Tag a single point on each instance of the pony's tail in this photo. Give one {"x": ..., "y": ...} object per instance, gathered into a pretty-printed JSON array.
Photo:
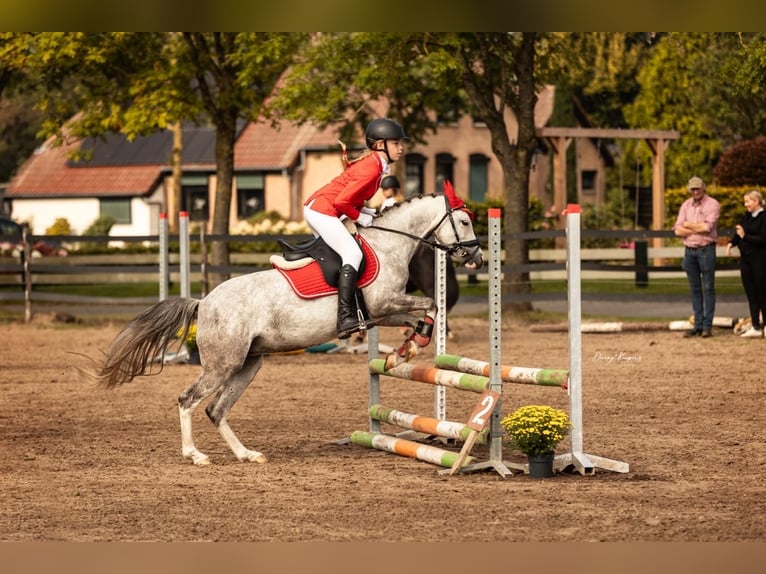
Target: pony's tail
[{"x": 144, "y": 339}]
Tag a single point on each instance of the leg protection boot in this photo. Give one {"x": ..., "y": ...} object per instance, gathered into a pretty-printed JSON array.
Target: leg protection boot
[{"x": 348, "y": 322}]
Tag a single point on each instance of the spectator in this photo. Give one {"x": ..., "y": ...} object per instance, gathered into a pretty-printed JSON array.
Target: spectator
[
  {"x": 697, "y": 224},
  {"x": 389, "y": 187},
  {"x": 750, "y": 238}
]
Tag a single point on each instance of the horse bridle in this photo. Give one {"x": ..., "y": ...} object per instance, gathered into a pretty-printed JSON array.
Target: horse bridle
[{"x": 449, "y": 250}]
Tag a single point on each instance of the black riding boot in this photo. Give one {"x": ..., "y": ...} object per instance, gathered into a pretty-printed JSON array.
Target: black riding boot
[{"x": 348, "y": 322}]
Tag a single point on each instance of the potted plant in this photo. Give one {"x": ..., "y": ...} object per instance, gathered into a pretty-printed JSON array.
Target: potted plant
[
  {"x": 535, "y": 430},
  {"x": 190, "y": 342}
]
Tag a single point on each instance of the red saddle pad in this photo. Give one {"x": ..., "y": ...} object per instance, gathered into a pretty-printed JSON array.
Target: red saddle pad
[{"x": 308, "y": 282}]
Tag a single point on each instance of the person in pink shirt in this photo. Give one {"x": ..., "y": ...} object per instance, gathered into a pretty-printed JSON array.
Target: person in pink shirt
[
  {"x": 697, "y": 224},
  {"x": 345, "y": 196}
]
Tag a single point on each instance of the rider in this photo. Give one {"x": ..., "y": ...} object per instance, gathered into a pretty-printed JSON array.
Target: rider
[{"x": 345, "y": 196}]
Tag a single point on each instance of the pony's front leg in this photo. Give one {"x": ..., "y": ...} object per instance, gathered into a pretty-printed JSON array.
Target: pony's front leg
[
  {"x": 419, "y": 338},
  {"x": 421, "y": 334}
]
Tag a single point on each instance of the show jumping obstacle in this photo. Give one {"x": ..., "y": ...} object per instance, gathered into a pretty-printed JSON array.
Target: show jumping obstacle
[
  {"x": 490, "y": 387},
  {"x": 463, "y": 373}
]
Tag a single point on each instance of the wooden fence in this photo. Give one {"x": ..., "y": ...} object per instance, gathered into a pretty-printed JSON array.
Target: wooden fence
[{"x": 636, "y": 261}]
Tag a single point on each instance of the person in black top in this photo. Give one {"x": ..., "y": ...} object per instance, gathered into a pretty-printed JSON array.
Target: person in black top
[{"x": 750, "y": 239}]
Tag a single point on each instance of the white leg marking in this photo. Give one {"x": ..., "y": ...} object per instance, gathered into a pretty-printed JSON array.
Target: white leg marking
[
  {"x": 239, "y": 450},
  {"x": 188, "y": 450}
]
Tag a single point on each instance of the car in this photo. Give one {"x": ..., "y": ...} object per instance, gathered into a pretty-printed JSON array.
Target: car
[{"x": 11, "y": 235}]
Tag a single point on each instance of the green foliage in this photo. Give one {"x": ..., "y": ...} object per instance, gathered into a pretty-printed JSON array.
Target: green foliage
[
  {"x": 272, "y": 216},
  {"x": 674, "y": 89},
  {"x": 59, "y": 227},
  {"x": 102, "y": 225},
  {"x": 480, "y": 209},
  {"x": 742, "y": 164}
]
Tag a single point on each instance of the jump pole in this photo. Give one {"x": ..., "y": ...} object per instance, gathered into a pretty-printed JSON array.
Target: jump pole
[
  {"x": 433, "y": 376},
  {"x": 404, "y": 447},
  {"x": 508, "y": 374},
  {"x": 582, "y": 462},
  {"x": 425, "y": 425}
]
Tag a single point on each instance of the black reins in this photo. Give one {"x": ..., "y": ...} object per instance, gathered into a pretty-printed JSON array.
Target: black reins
[{"x": 449, "y": 250}]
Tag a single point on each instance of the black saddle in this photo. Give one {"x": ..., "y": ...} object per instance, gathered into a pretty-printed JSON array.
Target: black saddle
[{"x": 319, "y": 251}]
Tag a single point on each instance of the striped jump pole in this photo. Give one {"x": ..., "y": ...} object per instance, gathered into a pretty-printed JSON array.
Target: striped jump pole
[
  {"x": 431, "y": 375},
  {"x": 509, "y": 374},
  {"x": 425, "y": 425},
  {"x": 404, "y": 447}
]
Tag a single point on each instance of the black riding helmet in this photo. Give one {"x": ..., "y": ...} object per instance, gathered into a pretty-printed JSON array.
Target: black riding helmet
[
  {"x": 383, "y": 129},
  {"x": 390, "y": 182}
]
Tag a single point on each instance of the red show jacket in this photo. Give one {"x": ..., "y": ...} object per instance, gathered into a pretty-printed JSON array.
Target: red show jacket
[{"x": 346, "y": 193}]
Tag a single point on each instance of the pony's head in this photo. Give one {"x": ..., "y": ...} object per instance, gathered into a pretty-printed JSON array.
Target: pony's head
[{"x": 459, "y": 233}]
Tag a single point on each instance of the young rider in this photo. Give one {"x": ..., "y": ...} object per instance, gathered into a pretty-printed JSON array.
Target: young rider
[{"x": 345, "y": 196}]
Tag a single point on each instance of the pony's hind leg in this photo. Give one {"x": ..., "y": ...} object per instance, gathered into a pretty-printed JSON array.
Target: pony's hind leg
[
  {"x": 228, "y": 393},
  {"x": 219, "y": 408},
  {"x": 188, "y": 401}
]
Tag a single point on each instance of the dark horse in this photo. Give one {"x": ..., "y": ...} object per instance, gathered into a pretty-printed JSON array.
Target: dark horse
[
  {"x": 423, "y": 277},
  {"x": 249, "y": 316}
]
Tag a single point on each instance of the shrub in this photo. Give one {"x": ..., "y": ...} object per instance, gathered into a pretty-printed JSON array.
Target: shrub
[
  {"x": 101, "y": 226},
  {"x": 742, "y": 164},
  {"x": 60, "y": 227}
]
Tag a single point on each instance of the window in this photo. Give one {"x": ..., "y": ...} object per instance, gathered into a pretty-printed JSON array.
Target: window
[
  {"x": 413, "y": 166},
  {"x": 588, "y": 179},
  {"x": 445, "y": 164},
  {"x": 478, "y": 177},
  {"x": 195, "y": 198},
  {"x": 251, "y": 195},
  {"x": 116, "y": 208}
]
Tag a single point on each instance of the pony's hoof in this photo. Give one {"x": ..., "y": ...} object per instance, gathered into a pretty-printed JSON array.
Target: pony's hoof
[
  {"x": 391, "y": 361},
  {"x": 411, "y": 351},
  {"x": 402, "y": 355},
  {"x": 254, "y": 456},
  {"x": 200, "y": 460},
  {"x": 196, "y": 457}
]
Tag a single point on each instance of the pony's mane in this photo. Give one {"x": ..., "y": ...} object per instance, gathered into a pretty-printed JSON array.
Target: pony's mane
[{"x": 409, "y": 200}]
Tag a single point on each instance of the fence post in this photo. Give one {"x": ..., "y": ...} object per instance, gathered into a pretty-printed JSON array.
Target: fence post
[
  {"x": 203, "y": 259},
  {"x": 27, "y": 255},
  {"x": 164, "y": 257},
  {"x": 183, "y": 241},
  {"x": 641, "y": 256}
]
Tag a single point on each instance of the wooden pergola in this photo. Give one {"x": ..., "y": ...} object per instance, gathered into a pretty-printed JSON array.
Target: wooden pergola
[{"x": 658, "y": 140}]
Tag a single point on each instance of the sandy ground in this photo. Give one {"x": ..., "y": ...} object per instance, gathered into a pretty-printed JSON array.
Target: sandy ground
[{"x": 81, "y": 463}]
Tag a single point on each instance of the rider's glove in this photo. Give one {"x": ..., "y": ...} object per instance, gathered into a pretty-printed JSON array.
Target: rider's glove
[
  {"x": 369, "y": 211},
  {"x": 364, "y": 219}
]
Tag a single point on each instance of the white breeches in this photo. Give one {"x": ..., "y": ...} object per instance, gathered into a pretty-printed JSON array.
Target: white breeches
[{"x": 335, "y": 234}]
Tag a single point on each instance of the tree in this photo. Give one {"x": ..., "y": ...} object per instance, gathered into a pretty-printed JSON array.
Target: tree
[
  {"x": 708, "y": 87},
  {"x": 233, "y": 75},
  {"x": 137, "y": 83},
  {"x": 19, "y": 121}
]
